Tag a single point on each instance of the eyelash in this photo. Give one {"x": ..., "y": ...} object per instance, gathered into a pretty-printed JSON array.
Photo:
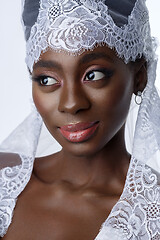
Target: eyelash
[
  {"x": 107, "y": 74},
  {"x": 43, "y": 77}
]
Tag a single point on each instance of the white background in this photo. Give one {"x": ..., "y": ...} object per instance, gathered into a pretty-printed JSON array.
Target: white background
[{"x": 15, "y": 84}]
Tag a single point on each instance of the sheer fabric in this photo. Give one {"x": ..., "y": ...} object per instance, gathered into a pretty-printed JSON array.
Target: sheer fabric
[{"x": 79, "y": 25}]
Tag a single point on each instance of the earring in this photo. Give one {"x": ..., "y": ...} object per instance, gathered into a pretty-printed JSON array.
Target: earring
[{"x": 138, "y": 98}]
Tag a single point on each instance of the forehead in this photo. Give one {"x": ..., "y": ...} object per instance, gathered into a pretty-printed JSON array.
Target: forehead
[{"x": 98, "y": 54}]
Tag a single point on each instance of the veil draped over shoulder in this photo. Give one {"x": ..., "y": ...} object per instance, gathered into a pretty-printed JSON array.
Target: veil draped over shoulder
[{"x": 75, "y": 26}]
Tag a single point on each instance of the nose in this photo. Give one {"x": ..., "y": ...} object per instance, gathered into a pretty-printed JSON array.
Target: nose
[{"x": 73, "y": 99}]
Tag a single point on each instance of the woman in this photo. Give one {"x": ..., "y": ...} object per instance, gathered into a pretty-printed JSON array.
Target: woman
[{"x": 86, "y": 59}]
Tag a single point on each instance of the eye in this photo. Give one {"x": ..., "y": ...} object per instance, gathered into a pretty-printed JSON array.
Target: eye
[
  {"x": 47, "y": 81},
  {"x": 97, "y": 75}
]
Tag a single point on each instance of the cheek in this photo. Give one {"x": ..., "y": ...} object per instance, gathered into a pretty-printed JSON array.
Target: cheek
[
  {"x": 45, "y": 102},
  {"x": 120, "y": 97},
  {"x": 115, "y": 102}
]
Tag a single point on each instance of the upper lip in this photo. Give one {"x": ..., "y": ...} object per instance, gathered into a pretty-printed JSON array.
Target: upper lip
[{"x": 78, "y": 126}]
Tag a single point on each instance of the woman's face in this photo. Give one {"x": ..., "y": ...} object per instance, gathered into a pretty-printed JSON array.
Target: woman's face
[{"x": 83, "y": 100}]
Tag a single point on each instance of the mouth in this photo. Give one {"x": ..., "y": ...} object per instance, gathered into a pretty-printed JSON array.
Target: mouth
[{"x": 79, "y": 132}]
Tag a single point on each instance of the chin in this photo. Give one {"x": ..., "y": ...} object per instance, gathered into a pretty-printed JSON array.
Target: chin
[{"x": 84, "y": 149}]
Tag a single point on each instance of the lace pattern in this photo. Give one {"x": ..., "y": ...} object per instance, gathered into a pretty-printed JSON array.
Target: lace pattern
[
  {"x": 147, "y": 133},
  {"x": 23, "y": 141},
  {"x": 136, "y": 215},
  {"x": 12, "y": 183},
  {"x": 77, "y": 25}
]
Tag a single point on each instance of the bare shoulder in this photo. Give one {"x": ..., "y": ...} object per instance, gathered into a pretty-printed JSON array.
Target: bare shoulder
[{"x": 9, "y": 160}]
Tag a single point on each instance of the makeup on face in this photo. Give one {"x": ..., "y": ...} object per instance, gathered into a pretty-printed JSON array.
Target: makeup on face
[
  {"x": 84, "y": 99},
  {"x": 79, "y": 132},
  {"x": 48, "y": 68}
]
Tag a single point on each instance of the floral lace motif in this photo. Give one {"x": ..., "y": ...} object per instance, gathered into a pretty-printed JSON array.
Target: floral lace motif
[
  {"x": 22, "y": 141},
  {"x": 12, "y": 183},
  {"x": 136, "y": 216},
  {"x": 147, "y": 134},
  {"x": 78, "y": 25}
]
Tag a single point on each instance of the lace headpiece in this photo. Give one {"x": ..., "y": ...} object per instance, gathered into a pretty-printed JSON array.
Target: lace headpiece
[
  {"x": 74, "y": 26},
  {"x": 78, "y": 25}
]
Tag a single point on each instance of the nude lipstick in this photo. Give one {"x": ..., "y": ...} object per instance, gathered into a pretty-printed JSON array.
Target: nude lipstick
[{"x": 79, "y": 132}]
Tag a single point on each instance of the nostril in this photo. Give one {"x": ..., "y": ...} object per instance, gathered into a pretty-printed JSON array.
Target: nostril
[
  {"x": 74, "y": 108},
  {"x": 73, "y": 103}
]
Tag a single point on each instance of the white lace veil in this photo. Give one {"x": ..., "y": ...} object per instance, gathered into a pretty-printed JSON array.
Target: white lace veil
[{"x": 75, "y": 26}]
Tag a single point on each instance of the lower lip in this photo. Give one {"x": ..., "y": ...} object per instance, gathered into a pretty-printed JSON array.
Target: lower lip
[{"x": 79, "y": 136}]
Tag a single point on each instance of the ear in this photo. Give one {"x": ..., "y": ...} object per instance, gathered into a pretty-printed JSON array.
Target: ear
[{"x": 140, "y": 78}]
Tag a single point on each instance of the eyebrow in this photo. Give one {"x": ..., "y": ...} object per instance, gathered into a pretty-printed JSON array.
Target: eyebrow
[
  {"x": 94, "y": 56},
  {"x": 47, "y": 64},
  {"x": 85, "y": 59}
]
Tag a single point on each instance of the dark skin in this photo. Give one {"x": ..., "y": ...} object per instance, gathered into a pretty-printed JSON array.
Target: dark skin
[{"x": 72, "y": 192}]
